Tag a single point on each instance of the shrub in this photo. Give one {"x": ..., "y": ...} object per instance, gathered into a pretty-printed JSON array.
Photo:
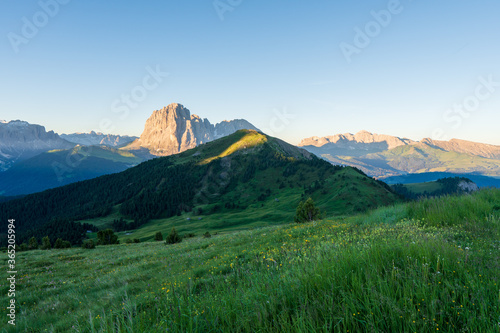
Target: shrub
[
  {"x": 88, "y": 244},
  {"x": 158, "y": 236},
  {"x": 189, "y": 235},
  {"x": 23, "y": 247},
  {"x": 129, "y": 241},
  {"x": 33, "y": 244},
  {"x": 306, "y": 212},
  {"x": 137, "y": 240},
  {"x": 207, "y": 235},
  {"x": 173, "y": 237},
  {"x": 66, "y": 244},
  {"x": 107, "y": 237}
]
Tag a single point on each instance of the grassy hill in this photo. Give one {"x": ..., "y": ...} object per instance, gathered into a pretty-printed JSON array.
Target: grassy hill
[
  {"x": 424, "y": 266},
  {"x": 230, "y": 183}
]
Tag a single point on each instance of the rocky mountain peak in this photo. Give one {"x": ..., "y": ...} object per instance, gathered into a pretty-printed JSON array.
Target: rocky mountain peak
[{"x": 173, "y": 129}]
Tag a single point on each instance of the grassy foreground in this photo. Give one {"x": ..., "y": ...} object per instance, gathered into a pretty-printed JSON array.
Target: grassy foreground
[{"x": 428, "y": 266}]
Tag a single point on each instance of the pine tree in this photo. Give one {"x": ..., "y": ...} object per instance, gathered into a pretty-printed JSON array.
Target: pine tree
[
  {"x": 173, "y": 237},
  {"x": 307, "y": 212},
  {"x": 158, "y": 236},
  {"x": 46, "y": 243},
  {"x": 58, "y": 244},
  {"x": 33, "y": 244}
]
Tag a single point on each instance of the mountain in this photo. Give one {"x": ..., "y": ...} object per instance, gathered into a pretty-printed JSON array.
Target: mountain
[
  {"x": 243, "y": 178},
  {"x": 348, "y": 144},
  {"x": 97, "y": 139},
  {"x": 384, "y": 156},
  {"x": 173, "y": 129},
  {"x": 61, "y": 167},
  {"x": 20, "y": 140}
]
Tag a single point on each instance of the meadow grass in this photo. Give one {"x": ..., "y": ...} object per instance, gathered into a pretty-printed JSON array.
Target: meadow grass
[{"x": 427, "y": 266}]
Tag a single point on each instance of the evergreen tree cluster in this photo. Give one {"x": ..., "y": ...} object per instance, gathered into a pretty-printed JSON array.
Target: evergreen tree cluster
[{"x": 449, "y": 186}]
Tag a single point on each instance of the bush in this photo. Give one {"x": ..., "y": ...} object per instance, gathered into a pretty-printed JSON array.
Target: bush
[
  {"x": 88, "y": 244},
  {"x": 189, "y": 235},
  {"x": 207, "y": 235},
  {"x": 306, "y": 212},
  {"x": 158, "y": 236},
  {"x": 173, "y": 237},
  {"x": 137, "y": 240},
  {"x": 33, "y": 244},
  {"x": 66, "y": 244},
  {"x": 107, "y": 237},
  {"x": 23, "y": 247}
]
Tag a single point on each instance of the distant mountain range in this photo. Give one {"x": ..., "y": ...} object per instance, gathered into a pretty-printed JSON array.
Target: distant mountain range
[
  {"x": 98, "y": 139},
  {"x": 32, "y": 159},
  {"x": 385, "y": 156}
]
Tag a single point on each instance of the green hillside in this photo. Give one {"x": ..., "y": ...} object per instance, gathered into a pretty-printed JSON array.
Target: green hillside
[
  {"x": 244, "y": 179},
  {"x": 424, "y": 266}
]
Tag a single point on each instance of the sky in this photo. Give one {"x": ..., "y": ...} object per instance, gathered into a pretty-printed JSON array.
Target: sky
[{"x": 294, "y": 69}]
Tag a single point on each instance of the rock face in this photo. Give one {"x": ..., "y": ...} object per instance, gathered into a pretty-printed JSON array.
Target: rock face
[
  {"x": 468, "y": 186},
  {"x": 20, "y": 140},
  {"x": 98, "y": 139},
  {"x": 173, "y": 129},
  {"x": 348, "y": 144}
]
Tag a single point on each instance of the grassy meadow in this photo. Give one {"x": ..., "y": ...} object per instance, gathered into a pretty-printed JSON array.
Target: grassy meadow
[{"x": 425, "y": 266}]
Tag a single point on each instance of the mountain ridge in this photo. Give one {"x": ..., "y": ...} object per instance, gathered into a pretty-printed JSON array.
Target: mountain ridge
[
  {"x": 385, "y": 156},
  {"x": 97, "y": 138}
]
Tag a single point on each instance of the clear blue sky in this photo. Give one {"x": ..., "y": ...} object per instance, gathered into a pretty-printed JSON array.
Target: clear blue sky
[{"x": 264, "y": 57}]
